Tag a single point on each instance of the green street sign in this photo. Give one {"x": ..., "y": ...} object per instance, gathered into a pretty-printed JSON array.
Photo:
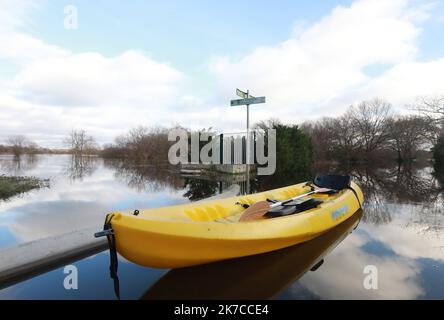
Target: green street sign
[{"x": 242, "y": 94}]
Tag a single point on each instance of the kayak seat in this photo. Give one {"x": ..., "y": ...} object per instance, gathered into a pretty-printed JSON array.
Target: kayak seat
[
  {"x": 332, "y": 181},
  {"x": 291, "y": 208}
]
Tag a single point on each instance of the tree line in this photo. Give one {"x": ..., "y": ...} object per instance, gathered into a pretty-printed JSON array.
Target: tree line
[
  {"x": 141, "y": 144},
  {"x": 77, "y": 142},
  {"x": 367, "y": 131},
  {"x": 20, "y": 144},
  {"x": 371, "y": 131}
]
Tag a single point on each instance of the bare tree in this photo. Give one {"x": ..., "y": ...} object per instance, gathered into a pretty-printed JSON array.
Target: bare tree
[
  {"x": 32, "y": 148},
  {"x": 17, "y": 144},
  {"x": 408, "y": 134},
  {"x": 361, "y": 130},
  {"x": 370, "y": 120},
  {"x": 431, "y": 107},
  {"x": 141, "y": 144},
  {"x": 344, "y": 135},
  {"x": 80, "y": 143},
  {"x": 322, "y": 136},
  {"x": 438, "y": 155},
  {"x": 267, "y": 124}
]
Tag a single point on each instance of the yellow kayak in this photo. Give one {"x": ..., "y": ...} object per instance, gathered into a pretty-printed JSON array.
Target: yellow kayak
[
  {"x": 199, "y": 233},
  {"x": 257, "y": 277}
]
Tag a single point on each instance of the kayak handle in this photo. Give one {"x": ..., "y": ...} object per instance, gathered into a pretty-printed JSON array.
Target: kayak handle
[{"x": 104, "y": 233}]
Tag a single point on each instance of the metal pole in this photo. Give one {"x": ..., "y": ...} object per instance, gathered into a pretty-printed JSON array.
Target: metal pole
[{"x": 248, "y": 144}]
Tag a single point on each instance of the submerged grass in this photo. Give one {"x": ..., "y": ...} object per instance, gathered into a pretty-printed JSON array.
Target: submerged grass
[{"x": 11, "y": 186}]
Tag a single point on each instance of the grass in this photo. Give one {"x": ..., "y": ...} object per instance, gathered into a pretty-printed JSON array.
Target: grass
[{"x": 11, "y": 186}]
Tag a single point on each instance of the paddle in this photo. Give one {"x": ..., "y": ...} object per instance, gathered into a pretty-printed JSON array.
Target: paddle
[{"x": 258, "y": 210}]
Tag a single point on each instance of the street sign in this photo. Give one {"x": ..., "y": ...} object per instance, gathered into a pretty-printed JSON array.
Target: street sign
[
  {"x": 243, "y": 102},
  {"x": 247, "y": 100},
  {"x": 243, "y": 95}
]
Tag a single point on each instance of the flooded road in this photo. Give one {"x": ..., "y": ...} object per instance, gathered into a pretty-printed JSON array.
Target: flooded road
[
  {"x": 400, "y": 232},
  {"x": 80, "y": 194}
]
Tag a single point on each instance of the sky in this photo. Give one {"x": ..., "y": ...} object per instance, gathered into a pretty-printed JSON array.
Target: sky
[{"x": 161, "y": 63}]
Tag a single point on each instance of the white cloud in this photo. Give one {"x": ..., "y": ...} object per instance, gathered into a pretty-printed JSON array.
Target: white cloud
[
  {"x": 405, "y": 81},
  {"x": 342, "y": 275},
  {"x": 321, "y": 70},
  {"x": 413, "y": 233},
  {"x": 56, "y": 90},
  {"x": 90, "y": 79}
]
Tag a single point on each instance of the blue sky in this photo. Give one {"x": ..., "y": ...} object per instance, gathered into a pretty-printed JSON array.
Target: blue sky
[
  {"x": 165, "y": 62},
  {"x": 185, "y": 34}
]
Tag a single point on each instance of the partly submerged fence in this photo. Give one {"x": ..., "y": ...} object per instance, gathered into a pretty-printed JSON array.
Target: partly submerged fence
[{"x": 231, "y": 148}]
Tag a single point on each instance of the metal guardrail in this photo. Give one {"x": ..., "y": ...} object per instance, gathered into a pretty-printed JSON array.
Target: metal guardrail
[{"x": 31, "y": 259}]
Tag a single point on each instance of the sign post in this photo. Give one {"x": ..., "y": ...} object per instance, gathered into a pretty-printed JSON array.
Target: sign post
[{"x": 247, "y": 100}]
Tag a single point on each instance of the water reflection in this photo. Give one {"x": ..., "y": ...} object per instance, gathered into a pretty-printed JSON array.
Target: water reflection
[
  {"x": 210, "y": 183},
  {"x": 18, "y": 165},
  {"x": 256, "y": 277},
  {"x": 83, "y": 190},
  {"x": 198, "y": 189},
  {"x": 145, "y": 177},
  {"x": 405, "y": 267},
  {"x": 80, "y": 167},
  {"x": 403, "y": 185},
  {"x": 401, "y": 232},
  {"x": 392, "y": 186},
  {"x": 438, "y": 173},
  {"x": 400, "y": 184},
  {"x": 280, "y": 178}
]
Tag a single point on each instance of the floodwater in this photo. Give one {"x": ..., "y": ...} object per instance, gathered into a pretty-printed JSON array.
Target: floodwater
[{"x": 398, "y": 237}]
